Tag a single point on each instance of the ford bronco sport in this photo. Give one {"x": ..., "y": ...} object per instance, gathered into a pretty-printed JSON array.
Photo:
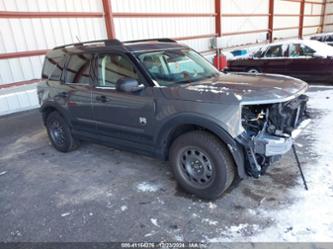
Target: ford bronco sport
[{"x": 162, "y": 99}]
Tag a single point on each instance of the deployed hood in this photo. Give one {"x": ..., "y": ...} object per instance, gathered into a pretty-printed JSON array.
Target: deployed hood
[{"x": 243, "y": 88}]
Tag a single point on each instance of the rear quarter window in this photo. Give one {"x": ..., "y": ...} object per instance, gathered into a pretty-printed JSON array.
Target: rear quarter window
[
  {"x": 53, "y": 67},
  {"x": 78, "y": 69}
]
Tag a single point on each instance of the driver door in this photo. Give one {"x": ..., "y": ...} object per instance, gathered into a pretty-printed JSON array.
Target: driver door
[{"x": 124, "y": 118}]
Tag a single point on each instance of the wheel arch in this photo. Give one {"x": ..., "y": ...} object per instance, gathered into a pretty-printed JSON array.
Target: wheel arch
[
  {"x": 183, "y": 124},
  {"x": 253, "y": 67},
  {"x": 46, "y": 109}
]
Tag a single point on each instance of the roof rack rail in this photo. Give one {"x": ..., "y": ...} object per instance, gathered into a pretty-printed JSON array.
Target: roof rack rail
[
  {"x": 107, "y": 42},
  {"x": 148, "y": 40}
]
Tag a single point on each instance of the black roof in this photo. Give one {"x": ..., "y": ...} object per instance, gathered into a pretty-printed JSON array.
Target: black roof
[{"x": 127, "y": 46}]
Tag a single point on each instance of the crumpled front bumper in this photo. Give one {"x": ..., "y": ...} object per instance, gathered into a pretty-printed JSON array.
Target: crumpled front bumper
[{"x": 269, "y": 145}]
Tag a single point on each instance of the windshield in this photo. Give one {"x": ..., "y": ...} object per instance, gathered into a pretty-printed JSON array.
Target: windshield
[{"x": 169, "y": 67}]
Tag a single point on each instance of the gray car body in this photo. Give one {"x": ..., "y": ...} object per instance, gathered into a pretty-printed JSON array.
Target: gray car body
[
  {"x": 149, "y": 120},
  {"x": 221, "y": 99}
]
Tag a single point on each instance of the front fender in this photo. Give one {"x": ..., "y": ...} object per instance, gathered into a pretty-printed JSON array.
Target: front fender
[{"x": 166, "y": 131}]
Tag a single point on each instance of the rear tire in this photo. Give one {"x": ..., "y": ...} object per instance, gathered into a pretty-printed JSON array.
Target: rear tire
[
  {"x": 59, "y": 133},
  {"x": 202, "y": 164},
  {"x": 253, "y": 70}
]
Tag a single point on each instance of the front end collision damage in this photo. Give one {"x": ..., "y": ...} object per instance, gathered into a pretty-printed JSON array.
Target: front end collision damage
[
  {"x": 268, "y": 132},
  {"x": 238, "y": 104}
]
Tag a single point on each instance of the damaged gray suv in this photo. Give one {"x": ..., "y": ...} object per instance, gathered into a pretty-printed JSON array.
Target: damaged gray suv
[{"x": 162, "y": 99}]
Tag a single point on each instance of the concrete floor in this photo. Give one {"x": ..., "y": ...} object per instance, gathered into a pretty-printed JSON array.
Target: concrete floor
[{"x": 98, "y": 193}]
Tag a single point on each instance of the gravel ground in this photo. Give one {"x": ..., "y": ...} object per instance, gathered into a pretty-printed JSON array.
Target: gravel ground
[{"x": 97, "y": 193}]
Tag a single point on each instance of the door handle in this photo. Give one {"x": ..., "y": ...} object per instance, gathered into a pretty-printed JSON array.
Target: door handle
[{"x": 102, "y": 98}]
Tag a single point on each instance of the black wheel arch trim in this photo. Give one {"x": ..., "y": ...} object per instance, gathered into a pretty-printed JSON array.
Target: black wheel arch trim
[
  {"x": 57, "y": 108},
  {"x": 172, "y": 124}
]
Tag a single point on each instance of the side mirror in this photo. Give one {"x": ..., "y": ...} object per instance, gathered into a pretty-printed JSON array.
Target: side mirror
[{"x": 128, "y": 85}]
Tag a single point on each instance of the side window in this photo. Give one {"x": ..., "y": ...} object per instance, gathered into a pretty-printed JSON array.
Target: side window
[
  {"x": 299, "y": 50},
  {"x": 329, "y": 38},
  {"x": 259, "y": 53},
  {"x": 274, "y": 51},
  {"x": 307, "y": 51},
  {"x": 53, "y": 67},
  {"x": 113, "y": 67},
  {"x": 78, "y": 69},
  {"x": 295, "y": 50}
]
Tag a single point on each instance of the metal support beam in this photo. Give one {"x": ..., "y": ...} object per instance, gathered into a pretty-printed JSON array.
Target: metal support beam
[
  {"x": 109, "y": 24},
  {"x": 23, "y": 54},
  {"x": 48, "y": 14},
  {"x": 322, "y": 23},
  {"x": 270, "y": 20},
  {"x": 218, "y": 28},
  {"x": 159, "y": 14},
  {"x": 245, "y": 32},
  {"x": 301, "y": 19}
]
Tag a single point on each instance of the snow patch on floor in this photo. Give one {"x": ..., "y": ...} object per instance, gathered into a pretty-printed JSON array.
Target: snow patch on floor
[
  {"x": 148, "y": 187},
  {"x": 238, "y": 229},
  {"x": 65, "y": 214},
  {"x": 149, "y": 234},
  {"x": 179, "y": 238},
  {"x": 154, "y": 221},
  {"x": 310, "y": 218},
  {"x": 210, "y": 222},
  {"x": 3, "y": 173},
  {"x": 212, "y": 205},
  {"x": 234, "y": 233}
]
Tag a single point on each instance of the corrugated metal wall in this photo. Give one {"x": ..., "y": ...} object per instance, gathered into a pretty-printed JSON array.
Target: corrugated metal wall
[
  {"x": 329, "y": 18},
  {"x": 287, "y": 16},
  {"x": 244, "y": 22},
  {"x": 313, "y": 17},
  {"x": 129, "y": 28},
  {"x": 34, "y": 34},
  {"x": 25, "y": 34},
  {"x": 12, "y": 100},
  {"x": 284, "y": 11}
]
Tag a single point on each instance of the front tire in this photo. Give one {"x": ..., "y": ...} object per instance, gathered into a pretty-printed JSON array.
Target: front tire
[
  {"x": 202, "y": 164},
  {"x": 59, "y": 133}
]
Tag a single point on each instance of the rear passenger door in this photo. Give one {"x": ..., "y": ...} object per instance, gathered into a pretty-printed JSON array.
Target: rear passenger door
[
  {"x": 303, "y": 64},
  {"x": 274, "y": 60},
  {"x": 77, "y": 90}
]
